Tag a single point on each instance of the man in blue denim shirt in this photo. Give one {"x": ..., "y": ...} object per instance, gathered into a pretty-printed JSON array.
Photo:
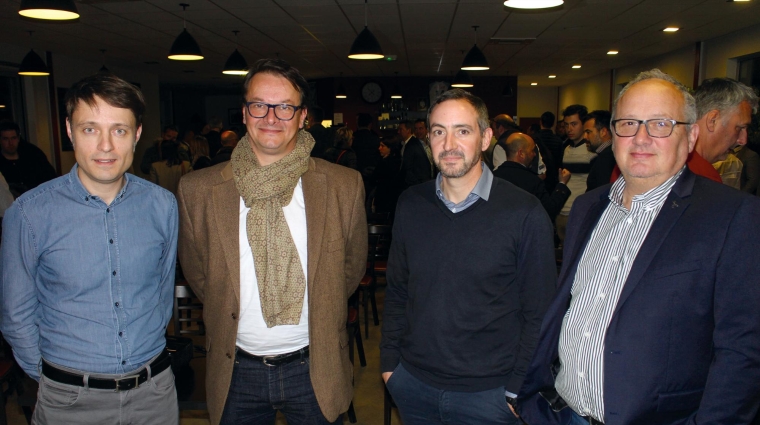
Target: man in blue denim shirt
[{"x": 88, "y": 273}]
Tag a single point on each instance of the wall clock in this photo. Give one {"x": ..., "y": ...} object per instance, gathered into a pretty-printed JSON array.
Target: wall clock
[{"x": 372, "y": 92}]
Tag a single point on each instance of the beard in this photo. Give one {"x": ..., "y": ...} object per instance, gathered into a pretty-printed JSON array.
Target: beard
[{"x": 454, "y": 171}]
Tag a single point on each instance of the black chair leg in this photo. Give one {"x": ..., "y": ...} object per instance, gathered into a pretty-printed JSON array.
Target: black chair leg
[
  {"x": 374, "y": 307},
  {"x": 365, "y": 306},
  {"x": 351, "y": 413},
  {"x": 360, "y": 348},
  {"x": 387, "y": 405}
]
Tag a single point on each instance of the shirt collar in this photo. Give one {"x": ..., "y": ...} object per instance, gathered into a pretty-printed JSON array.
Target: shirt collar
[
  {"x": 482, "y": 188},
  {"x": 647, "y": 200},
  {"x": 82, "y": 192}
]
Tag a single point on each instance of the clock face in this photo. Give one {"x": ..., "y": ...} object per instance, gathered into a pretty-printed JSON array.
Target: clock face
[{"x": 372, "y": 92}]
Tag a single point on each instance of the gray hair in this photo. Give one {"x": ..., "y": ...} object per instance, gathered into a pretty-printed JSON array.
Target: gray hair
[
  {"x": 689, "y": 104},
  {"x": 476, "y": 102},
  {"x": 723, "y": 94}
]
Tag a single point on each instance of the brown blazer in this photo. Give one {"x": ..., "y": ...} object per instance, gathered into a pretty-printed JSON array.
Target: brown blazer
[{"x": 209, "y": 206}]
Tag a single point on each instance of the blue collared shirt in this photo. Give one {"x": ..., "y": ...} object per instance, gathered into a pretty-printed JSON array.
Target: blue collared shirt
[
  {"x": 84, "y": 284},
  {"x": 481, "y": 190}
]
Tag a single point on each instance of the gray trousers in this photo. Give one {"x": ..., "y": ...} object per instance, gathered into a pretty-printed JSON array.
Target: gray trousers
[{"x": 153, "y": 402}]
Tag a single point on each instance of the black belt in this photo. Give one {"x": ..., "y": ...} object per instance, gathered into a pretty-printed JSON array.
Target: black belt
[
  {"x": 125, "y": 383},
  {"x": 592, "y": 421},
  {"x": 278, "y": 359}
]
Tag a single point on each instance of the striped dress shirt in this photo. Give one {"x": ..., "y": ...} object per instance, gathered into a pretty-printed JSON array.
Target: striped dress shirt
[{"x": 599, "y": 279}]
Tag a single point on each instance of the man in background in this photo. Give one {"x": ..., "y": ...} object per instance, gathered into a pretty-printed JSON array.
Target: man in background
[
  {"x": 415, "y": 165},
  {"x": 23, "y": 165},
  {"x": 162, "y": 147},
  {"x": 598, "y": 137}
]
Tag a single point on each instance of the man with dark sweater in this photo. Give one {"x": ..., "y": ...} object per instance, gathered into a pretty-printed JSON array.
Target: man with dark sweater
[
  {"x": 521, "y": 149},
  {"x": 598, "y": 137},
  {"x": 470, "y": 274}
]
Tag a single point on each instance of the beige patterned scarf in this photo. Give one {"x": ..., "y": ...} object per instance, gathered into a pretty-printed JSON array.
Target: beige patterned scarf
[{"x": 266, "y": 190}]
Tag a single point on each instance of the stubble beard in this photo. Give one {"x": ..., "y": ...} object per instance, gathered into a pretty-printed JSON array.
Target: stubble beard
[{"x": 456, "y": 172}]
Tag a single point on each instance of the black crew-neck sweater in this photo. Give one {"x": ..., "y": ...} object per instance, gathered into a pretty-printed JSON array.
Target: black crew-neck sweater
[{"x": 467, "y": 291}]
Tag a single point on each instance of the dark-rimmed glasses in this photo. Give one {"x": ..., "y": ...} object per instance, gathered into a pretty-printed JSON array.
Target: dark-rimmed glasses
[
  {"x": 655, "y": 128},
  {"x": 283, "y": 111}
]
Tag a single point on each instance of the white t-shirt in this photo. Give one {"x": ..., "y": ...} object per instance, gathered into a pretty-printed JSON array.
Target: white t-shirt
[{"x": 253, "y": 335}]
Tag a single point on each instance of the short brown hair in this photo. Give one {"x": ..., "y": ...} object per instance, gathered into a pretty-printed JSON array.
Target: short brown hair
[
  {"x": 112, "y": 89},
  {"x": 280, "y": 68},
  {"x": 476, "y": 102}
]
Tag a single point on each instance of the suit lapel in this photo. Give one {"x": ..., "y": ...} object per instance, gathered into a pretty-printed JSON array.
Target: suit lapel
[
  {"x": 315, "y": 201},
  {"x": 226, "y": 202},
  {"x": 675, "y": 205}
]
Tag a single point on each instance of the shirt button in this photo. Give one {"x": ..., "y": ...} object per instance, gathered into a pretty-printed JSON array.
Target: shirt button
[
  {"x": 110, "y": 241},
  {"x": 615, "y": 259},
  {"x": 630, "y": 220},
  {"x": 234, "y": 316},
  {"x": 581, "y": 374},
  {"x": 86, "y": 198},
  {"x": 120, "y": 333},
  {"x": 113, "y": 272},
  {"x": 109, "y": 210},
  {"x": 585, "y": 334},
  {"x": 117, "y": 304},
  {"x": 123, "y": 362},
  {"x": 601, "y": 295},
  {"x": 229, "y": 356}
]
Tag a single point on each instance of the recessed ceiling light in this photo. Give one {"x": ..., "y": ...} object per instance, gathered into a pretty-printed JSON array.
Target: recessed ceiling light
[
  {"x": 612, "y": 52},
  {"x": 533, "y": 4},
  {"x": 340, "y": 96},
  {"x": 552, "y": 76},
  {"x": 737, "y": 1},
  {"x": 576, "y": 67},
  {"x": 671, "y": 29},
  {"x": 533, "y": 84}
]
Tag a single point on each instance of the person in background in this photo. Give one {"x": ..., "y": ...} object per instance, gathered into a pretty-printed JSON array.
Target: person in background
[
  {"x": 750, "y": 180},
  {"x": 199, "y": 152},
  {"x": 167, "y": 142},
  {"x": 365, "y": 145},
  {"x": 341, "y": 152},
  {"x": 320, "y": 134},
  {"x": 415, "y": 165},
  {"x": 88, "y": 265},
  {"x": 229, "y": 142},
  {"x": 386, "y": 177},
  {"x": 214, "y": 135},
  {"x": 23, "y": 165},
  {"x": 167, "y": 172},
  {"x": 598, "y": 137}
]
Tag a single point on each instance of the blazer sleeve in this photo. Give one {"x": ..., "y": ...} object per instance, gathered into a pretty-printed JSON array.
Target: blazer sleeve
[
  {"x": 356, "y": 242},
  {"x": 733, "y": 381},
  {"x": 189, "y": 256}
]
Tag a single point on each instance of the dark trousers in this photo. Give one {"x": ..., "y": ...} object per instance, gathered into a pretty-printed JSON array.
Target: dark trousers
[
  {"x": 258, "y": 391},
  {"x": 419, "y": 403}
]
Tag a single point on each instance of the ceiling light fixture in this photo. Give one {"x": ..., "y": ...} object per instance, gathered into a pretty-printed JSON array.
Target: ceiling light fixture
[
  {"x": 671, "y": 29},
  {"x": 462, "y": 80},
  {"x": 103, "y": 68},
  {"x": 236, "y": 64},
  {"x": 366, "y": 45},
  {"x": 396, "y": 93},
  {"x": 533, "y": 4},
  {"x": 612, "y": 52},
  {"x": 533, "y": 84},
  {"x": 576, "y": 67},
  {"x": 49, "y": 10},
  {"x": 552, "y": 76},
  {"x": 341, "y": 94},
  {"x": 185, "y": 48},
  {"x": 475, "y": 59},
  {"x": 32, "y": 65}
]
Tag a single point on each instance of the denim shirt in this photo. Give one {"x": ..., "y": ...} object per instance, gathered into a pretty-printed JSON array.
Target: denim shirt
[{"x": 87, "y": 285}]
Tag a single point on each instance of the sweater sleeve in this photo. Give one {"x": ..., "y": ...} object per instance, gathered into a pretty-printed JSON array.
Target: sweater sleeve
[
  {"x": 394, "y": 312},
  {"x": 537, "y": 280}
]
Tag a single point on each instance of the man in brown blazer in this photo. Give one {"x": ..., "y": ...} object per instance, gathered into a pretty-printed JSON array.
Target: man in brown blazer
[{"x": 274, "y": 278}]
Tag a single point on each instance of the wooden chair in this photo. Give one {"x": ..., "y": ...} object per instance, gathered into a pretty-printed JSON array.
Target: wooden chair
[
  {"x": 379, "y": 238},
  {"x": 185, "y": 303}
]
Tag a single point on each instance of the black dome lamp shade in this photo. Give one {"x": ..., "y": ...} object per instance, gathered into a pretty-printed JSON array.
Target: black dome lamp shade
[
  {"x": 32, "y": 65},
  {"x": 462, "y": 80},
  {"x": 475, "y": 59},
  {"x": 51, "y": 10},
  {"x": 341, "y": 93},
  {"x": 366, "y": 45},
  {"x": 236, "y": 63},
  {"x": 185, "y": 48}
]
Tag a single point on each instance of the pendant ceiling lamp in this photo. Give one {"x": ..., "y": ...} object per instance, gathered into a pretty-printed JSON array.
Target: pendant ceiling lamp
[
  {"x": 185, "y": 48},
  {"x": 365, "y": 46},
  {"x": 32, "y": 65},
  {"x": 103, "y": 69},
  {"x": 341, "y": 93},
  {"x": 396, "y": 93},
  {"x": 462, "y": 80},
  {"x": 533, "y": 4},
  {"x": 51, "y": 10},
  {"x": 475, "y": 59},
  {"x": 236, "y": 64}
]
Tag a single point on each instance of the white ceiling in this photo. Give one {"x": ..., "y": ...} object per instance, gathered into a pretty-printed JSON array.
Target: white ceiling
[{"x": 427, "y": 36}]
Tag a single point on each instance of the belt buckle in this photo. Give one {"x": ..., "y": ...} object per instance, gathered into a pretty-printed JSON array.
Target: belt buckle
[
  {"x": 126, "y": 379},
  {"x": 264, "y": 360}
]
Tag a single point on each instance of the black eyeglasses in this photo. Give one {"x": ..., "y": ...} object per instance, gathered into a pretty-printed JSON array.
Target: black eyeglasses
[
  {"x": 655, "y": 128},
  {"x": 283, "y": 111}
]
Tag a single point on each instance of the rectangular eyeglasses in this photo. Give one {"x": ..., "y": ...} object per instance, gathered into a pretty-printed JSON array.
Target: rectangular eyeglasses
[
  {"x": 283, "y": 111},
  {"x": 655, "y": 128}
]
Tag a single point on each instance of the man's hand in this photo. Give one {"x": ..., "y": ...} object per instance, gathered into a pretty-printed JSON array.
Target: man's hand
[
  {"x": 386, "y": 376},
  {"x": 512, "y": 409},
  {"x": 564, "y": 175}
]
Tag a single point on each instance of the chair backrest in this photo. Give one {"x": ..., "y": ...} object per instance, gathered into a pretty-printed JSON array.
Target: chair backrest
[{"x": 379, "y": 239}]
